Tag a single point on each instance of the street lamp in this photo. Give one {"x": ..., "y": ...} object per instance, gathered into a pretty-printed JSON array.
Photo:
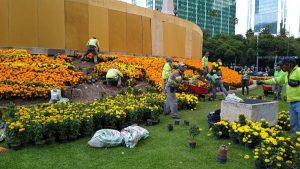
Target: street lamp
[{"x": 257, "y": 52}]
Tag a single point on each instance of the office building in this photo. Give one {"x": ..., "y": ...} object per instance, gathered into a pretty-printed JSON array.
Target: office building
[{"x": 216, "y": 16}]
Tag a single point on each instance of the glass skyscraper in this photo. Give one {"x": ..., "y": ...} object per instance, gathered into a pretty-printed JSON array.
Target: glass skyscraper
[
  {"x": 217, "y": 16},
  {"x": 278, "y": 14},
  {"x": 269, "y": 13}
]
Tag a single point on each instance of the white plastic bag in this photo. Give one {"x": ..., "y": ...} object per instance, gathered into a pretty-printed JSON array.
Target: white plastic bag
[
  {"x": 55, "y": 95},
  {"x": 233, "y": 98},
  {"x": 132, "y": 134},
  {"x": 106, "y": 138}
]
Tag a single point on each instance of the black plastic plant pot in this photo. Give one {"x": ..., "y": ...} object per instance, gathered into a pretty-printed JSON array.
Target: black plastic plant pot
[
  {"x": 149, "y": 122},
  {"x": 170, "y": 127},
  {"x": 186, "y": 122},
  {"x": 192, "y": 144},
  {"x": 177, "y": 122}
]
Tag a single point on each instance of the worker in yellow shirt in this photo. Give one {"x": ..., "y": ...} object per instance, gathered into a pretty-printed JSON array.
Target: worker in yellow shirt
[
  {"x": 166, "y": 72},
  {"x": 291, "y": 78},
  {"x": 113, "y": 77},
  {"x": 92, "y": 47},
  {"x": 205, "y": 62}
]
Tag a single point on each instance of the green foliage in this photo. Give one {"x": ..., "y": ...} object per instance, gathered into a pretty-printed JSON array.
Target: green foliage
[
  {"x": 244, "y": 50},
  {"x": 38, "y": 131},
  {"x": 11, "y": 110},
  {"x": 242, "y": 119},
  {"x": 194, "y": 131}
]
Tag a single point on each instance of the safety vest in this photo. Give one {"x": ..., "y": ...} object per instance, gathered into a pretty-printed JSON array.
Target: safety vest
[
  {"x": 292, "y": 93},
  {"x": 204, "y": 61},
  {"x": 93, "y": 42},
  {"x": 166, "y": 71},
  {"x": 113, "y": 73}
]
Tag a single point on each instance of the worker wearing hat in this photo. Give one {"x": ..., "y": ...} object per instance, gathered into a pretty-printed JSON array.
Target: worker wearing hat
[
  {"x": 173, "y": 82},
  {"x": 292, "y": 80}
]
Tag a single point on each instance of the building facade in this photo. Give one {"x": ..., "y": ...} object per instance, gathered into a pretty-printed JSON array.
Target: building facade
[
  {"x": 278, "y": 14},
  {"x": 216, "y": 16}
]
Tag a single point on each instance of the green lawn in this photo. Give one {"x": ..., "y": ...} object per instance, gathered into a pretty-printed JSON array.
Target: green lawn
[{"x": 163, "y": 149}]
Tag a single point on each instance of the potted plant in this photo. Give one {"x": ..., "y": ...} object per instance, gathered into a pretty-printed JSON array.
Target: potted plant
[
  {"x": 170, "y": 127},
  {"x": 38, "y": 130},
  {"x": 50, "y": 131},
  {"x": 14, "y": 134},
  {"x": 194, "y": 131},
  {"x": 87, "y": 126},
  {"x": 74, "y": 128},
  {"x": 62, "y": 129},
  {"x": 220, "y": 129}
]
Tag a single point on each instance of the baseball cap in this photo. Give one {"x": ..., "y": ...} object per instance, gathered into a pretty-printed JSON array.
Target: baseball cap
[{"x": 286, "y": 61}]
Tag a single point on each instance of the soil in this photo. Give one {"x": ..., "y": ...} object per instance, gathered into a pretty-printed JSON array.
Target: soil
[{"x": 82, "y": 93}]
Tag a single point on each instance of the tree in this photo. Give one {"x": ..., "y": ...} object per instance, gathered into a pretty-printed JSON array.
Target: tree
[
  {"x": 213, "y": 14},
  {"x": 249, "y": 33}
]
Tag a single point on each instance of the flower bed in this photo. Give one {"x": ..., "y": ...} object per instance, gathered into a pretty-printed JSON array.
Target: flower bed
[
  {"x": 73, "y": 119},
  {"x": 25, "y": 75},
  {"x": 273, "y": 148}
]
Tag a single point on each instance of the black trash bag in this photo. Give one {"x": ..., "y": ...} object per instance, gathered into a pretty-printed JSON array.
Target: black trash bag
[{"x": 213, "y": 117}]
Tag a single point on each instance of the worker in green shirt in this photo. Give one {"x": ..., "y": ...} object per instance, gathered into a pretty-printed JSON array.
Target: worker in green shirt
[
  {"x": 92, "y": 47},
  {"x": 277, "y": 87},
  {"x": 166, "y": 72},
  {"x": 205, "y": 62},
  {"x": 113, "y": 77},
  {"x": 292, "y": 80}
]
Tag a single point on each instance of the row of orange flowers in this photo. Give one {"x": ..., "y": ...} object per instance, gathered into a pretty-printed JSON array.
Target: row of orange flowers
[
  {"x": 153, "y": 67},
  {"x": 25, "y": 75}
]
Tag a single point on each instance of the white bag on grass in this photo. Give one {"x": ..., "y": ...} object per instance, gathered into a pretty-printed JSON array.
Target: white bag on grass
[
  {"x": 132, "y": 134},
  {"x": 106, "y": 138}
]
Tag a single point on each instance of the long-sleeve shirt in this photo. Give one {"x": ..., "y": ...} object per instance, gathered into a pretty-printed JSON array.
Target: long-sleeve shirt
[{"x": 293, "y": 93}]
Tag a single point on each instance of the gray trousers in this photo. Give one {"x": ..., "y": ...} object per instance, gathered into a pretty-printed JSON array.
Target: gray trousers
[
  {"x": 277, "y": 91},
  {"x": 171, "y": 102},
  {"x": 214, "y": 90},
  {"x": 91, "y": 49}
]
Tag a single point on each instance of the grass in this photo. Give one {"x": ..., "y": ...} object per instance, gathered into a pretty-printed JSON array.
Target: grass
[{"x": 163, "y": 149}]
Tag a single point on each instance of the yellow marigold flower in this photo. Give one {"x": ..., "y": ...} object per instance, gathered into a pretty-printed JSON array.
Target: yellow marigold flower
[
  {"x": 289, "y": 162},
  {"x": 255, "y": 157},
  {"x": 298, "y": 133},
  {"x": 279, "y": 158},
  {"x": 298, "y": 139},
  {"x": 278, "y": 165},
  {"x": 246, "y": 157}
]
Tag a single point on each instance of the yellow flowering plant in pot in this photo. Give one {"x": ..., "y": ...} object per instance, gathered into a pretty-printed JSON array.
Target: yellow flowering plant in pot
[
  {"x": 275, "y": 153},
  {"x": 220, "y": 129},
  {"x": 15, "y": 133}
]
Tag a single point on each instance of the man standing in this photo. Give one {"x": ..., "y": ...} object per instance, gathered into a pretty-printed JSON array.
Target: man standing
[
  {"x": 245, "y": 79},
  {"x": 277, "y": 88},
  {"x": 292, "y": 78},
  {"x": 172, "y": 85},
  {"x": 92, "y": 47},
  {"x": 166, "y": 72},
  {"x": 113, "y": 77},
  {"x": 205, "y": 62}
]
